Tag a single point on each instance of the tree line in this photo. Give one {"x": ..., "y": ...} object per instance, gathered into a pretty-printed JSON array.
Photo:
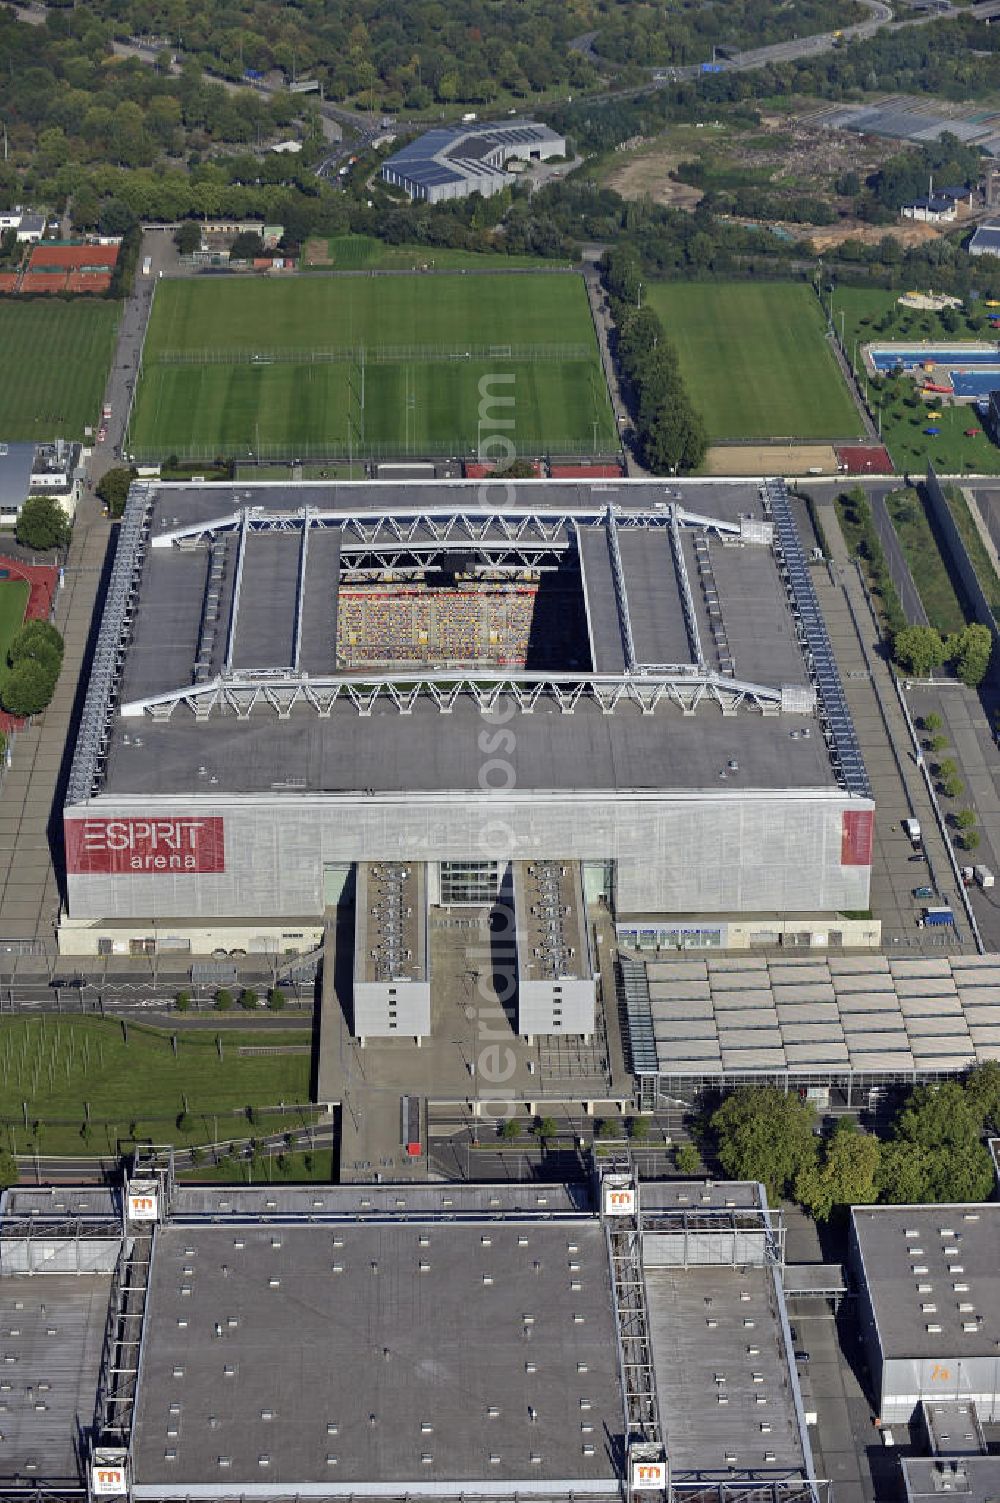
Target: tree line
[
  {"x": 933, "y": 1148},
  {"x": 671, "y": 434}
]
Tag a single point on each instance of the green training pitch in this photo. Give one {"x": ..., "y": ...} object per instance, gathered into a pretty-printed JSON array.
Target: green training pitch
[
  {"x": 56, "y": 360},
  {"x": 321, "y": 366},
  {"x": 755, "y": 359}
]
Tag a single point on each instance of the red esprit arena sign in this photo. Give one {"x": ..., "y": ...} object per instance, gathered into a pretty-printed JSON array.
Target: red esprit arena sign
[
  {"x": 112, "y": 846},
  {"x": 857, "y": 834}
]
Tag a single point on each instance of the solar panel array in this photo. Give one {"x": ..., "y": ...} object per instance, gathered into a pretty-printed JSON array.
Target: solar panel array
[
  {"x": 809, "y": 619},
  {"x": 842, "y": 1015}
]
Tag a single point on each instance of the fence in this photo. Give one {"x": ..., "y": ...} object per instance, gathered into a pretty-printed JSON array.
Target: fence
[
  {"x": 335, "y": 450},
  {"x": 391, "y": 354},
  {"x": 958, "y": 552}
]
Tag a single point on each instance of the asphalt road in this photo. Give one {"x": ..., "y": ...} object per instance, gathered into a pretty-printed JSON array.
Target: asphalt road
[{"x": 899, "y": 569}]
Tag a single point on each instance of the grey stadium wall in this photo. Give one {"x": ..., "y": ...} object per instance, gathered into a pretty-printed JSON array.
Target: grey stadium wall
[{"x": 803, "y": 851}]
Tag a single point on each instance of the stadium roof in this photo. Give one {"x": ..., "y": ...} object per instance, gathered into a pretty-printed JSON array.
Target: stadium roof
[
  {"x": 952, "y": 1249},
  {"x": 836, "y": 1016},
  {"x": 234, "y": 618}
]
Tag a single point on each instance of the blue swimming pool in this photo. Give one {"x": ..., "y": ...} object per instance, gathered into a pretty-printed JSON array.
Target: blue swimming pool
[
  {"x": 887, "y": 360},
  {"x": 976, "y": 383}
]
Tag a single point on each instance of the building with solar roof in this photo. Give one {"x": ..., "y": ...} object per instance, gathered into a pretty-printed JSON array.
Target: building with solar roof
[
  {"x": 293, "y": 681},
  {"x": 471, "y": 158}
]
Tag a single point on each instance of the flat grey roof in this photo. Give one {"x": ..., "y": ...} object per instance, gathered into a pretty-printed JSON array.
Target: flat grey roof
[
  {"x": 551, "y": 920},
  {"x": 973, "y": 1479},
  {"x": 16, "y": 461},
  {"x": 836, "y": 1015},
  {"x": 390, "y": 924},
  {"x": 51, "y": 1337},
  {"x": 303, "y": 1343},
  {"x": 905, "y": 1247},
  {"x": 722, "y": 1379},
  {"x": 370, "y": 1202}
]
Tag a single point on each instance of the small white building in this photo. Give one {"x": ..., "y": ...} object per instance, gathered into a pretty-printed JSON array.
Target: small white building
[{"x": 28, "y": 226}]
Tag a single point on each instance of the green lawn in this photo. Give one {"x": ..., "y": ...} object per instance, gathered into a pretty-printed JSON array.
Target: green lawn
[
  {"x": 433, "y": 348},
  {"x": 364, "y": 252},
  {"x": 56, "y": 358},
  {"x": 873, "y": 316},
  {"x": 755, "y": 359},
  {"x": 56, "y": 1068},
  {"x": 280, "y": 1167},
  {"x": 13, "y": 600},
  {"x": 927, "y": 566}
]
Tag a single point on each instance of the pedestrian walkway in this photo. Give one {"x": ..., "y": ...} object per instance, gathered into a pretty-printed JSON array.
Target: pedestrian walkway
[
  {"x": 31, "y": 795},
  {"x": 897, "y": 782}
]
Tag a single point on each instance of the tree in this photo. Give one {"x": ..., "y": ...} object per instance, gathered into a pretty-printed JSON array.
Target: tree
[
  {"x": 965, "y": 819},
  {"x": 970, "y": 840},
  {"x": 846, "y": 1175},
  {"x": 28, "y": 687},
  {"x": 638, "y": 1129},
  {"x": 8, "y": 1169},
  {"x": 936, "y": 1151},
  {"x": 982, "y": 1090},
  {"x": 223, "y": 999},
  {"x": 38, "y": 642},
  {"x": 918, "y": 650},
  {"x": 608, "y": 1128},
  {"x": 936, "y": 745},
  {"x": 188, "y": 238},
  {"x": 510, "y": 1130},
  {"x": 932, "y": 722},
  {"x": 687, "y": 1160},
  {"x": 182, "y": 1001},
  {"x": 276, "y": 999},
  {"x": 116, "y": 218},
  {"x": 764, "y": 1134},
  {"x": 969, "y": 651},
  {"x": 113, "y": 488},
  {"x": 952, "y": 786},
  {"x": 42, "y": 524},
  {"x": 546, "y": 1128},
  {"x": 246, "y": 246},
  {"x": 248, "y": 999}
]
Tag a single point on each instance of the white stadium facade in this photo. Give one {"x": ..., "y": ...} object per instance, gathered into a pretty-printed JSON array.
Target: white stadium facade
[{"x": 294, "y": 679}]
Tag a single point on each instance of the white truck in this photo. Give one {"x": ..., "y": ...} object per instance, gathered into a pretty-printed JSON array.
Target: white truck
[
  {"x": 984, "y": 876},
  {"x": 911, "y": 828},
  {"x": 147, "y": 265}
]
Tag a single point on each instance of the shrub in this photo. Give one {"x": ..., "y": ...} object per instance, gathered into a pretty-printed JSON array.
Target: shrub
[
  {"x": 687, "y": 1159},
  {"x": 28, "y": 687}
]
